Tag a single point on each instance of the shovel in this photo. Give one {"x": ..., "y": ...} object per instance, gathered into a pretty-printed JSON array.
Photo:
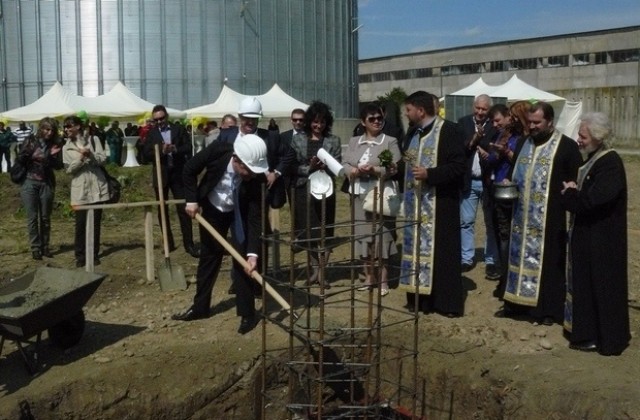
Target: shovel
[
  {"x": 236, "y": 255},
  {"x": 171, "y": 277}
]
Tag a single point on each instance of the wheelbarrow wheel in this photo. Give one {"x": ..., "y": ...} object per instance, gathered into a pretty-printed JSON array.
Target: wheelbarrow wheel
[{"x": 67, "y": 333}]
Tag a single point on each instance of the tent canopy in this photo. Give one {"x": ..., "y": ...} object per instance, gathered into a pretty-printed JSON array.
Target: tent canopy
[
  {"x": 514, "y": 90},
  {"x": 119, "y": 102},
  {"x": 276, "y": 103}
]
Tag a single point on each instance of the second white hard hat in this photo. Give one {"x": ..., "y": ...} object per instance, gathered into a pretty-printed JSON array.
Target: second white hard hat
[
  {"x": 252, "y": 151},
  {"x": 250, "y": 108}
]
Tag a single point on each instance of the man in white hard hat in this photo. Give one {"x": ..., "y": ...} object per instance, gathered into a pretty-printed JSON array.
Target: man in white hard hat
[{"x": 226, "y": 197}]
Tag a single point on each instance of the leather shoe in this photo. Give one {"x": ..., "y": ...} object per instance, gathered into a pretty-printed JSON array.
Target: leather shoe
[
  {"x": 193, "y": 250},
  {"x": 47, "y": 253},
  {"x": 491, "y": 272},
  {"x": 466, "y": 267},
  {"x": 36, "y": 255},
  {"x": 548, "y": 321},
  {"x": 589, "y": 346},
  {"x": 189, "y": 315},
  {"x": 246, "y": 324}
]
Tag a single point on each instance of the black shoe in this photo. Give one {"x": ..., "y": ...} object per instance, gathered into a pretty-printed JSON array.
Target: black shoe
[
  {"x": 466, "y": 267},
  {"x": 96, "y": 261},
  {"x": 193, "y": 250},
  {"x": 80, "y": 263},
  {"x": 47, "y": 253},
  {"x": 189, "y": 315},
  {"x": 589, "y": 346},
  {"x": 548, "y": 321},
  {"x": 232, "y": 289},
  {"x": 246, "y": 324},
  {"x": 491, "y": 272},
  {"x": 36, "y": 255},
  {"x": 503, "y": 312}
]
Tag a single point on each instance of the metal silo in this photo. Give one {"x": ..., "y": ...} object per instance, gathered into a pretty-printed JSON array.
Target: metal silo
[{"x": 180, "y": 52}]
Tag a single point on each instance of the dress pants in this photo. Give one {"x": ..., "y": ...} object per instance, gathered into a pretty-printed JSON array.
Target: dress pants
[{"x": 211, "y": 254}]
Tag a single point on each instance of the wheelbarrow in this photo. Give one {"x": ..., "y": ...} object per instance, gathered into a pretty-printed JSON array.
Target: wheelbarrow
[{"x": 46, "y": 299}]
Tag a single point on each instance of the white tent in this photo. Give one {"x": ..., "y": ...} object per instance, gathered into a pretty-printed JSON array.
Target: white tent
[
  {"x": 476, "y": 88},
  {"x": 56, "y": 102},
  {"x": 517, "y": 90},
  {"x": 119, "y": 102},
  {"x": 275, "y": 103}
]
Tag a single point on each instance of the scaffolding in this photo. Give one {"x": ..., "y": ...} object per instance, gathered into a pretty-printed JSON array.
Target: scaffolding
[{"x": 337, "y": 363}]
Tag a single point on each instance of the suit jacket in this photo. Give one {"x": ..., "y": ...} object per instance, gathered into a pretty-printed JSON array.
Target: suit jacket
[
  {"x": 214, "y": 159},
  {"x": 279, "y": 159},
  {"x": 467, "y": 127},
  {"x": 180, "y": 139}
]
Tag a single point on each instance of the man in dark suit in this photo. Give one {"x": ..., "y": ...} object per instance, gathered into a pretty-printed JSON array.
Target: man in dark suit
[
  {"x": 477, "y": 132},
  {"x": 175, "y": 150},
  {"x": 226, "y": 196},
  {"x": 297, "y": 122}
]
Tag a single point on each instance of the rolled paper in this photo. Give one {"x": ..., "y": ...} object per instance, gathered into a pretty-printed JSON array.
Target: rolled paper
[{"x": 333, "y": 165}]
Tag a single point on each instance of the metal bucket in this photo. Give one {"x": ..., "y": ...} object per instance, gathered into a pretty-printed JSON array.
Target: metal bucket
[{"x": 505, "y": 191}]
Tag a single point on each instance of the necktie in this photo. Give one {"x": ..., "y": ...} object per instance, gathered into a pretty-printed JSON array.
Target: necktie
[{"x": 238, "y": 229}]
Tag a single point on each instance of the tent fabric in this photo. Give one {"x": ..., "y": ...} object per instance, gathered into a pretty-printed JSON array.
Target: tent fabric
[
  {"x": 276, "y": 103},
  {"x": 476, "y": 88},
  {"x": 568, "y": 122},
  {"x": 58, "y": 101},
  {"x": 517, "y": 90}
]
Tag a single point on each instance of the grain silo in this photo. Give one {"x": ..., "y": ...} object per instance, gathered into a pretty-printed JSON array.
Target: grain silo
[{"x": 180, "y": 52}]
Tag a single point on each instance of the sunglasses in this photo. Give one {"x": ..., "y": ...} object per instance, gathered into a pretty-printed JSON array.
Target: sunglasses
[{"x": 378, "y": 118}]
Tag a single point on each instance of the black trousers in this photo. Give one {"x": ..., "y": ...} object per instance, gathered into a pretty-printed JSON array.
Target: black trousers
[
  {"x": 211, "y": 254},
  {"x": 176, "y": 186},
  {"x": 81, "y": 231}
]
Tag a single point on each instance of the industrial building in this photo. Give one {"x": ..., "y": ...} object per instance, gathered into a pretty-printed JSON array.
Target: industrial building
[
  {"x": 180, "y": 53},
  {"x": 599, "y": 68}
]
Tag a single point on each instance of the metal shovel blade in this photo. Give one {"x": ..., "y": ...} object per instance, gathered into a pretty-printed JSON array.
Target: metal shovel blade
[{"x": 171, "y": 277}]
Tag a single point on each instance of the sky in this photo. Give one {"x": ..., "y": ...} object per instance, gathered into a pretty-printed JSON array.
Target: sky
[{"x": 390, "y": 27}]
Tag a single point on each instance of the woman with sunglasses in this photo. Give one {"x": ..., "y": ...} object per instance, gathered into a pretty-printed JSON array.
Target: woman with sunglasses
[
  {"x": 40, "y": 155},
  {"x": 83, "y": 158},
  {"x": 364, "y": 170}
]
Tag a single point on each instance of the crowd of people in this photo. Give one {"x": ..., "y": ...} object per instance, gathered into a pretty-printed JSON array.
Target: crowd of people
[{"x": 547, "y": 270}]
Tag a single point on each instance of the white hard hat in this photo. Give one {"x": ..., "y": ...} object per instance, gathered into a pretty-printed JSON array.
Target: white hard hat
[
  {"x": 320, "y": 184},
  {"x": 250, "y": 108},
  {"x": 252, "y": 151}
]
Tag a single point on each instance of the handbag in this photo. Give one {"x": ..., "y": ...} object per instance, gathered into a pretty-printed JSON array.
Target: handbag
[
  {"x": 115, "y": 188},
  {"x": 18, "y": 172},
  {"x": 390, "y": 196}
]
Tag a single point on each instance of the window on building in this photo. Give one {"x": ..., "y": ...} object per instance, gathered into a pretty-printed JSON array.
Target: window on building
[
  {"x": 600, "y": 58},
  {"x": 581, "y": 59},
  {"x": 558, "y": 61},
  {"x": 365, "y": 78},
  {"x": 523, "y": 64},
  {"x": 382, "y": 77},
  {"x": 400, "y": 74},
  {"x": 422, "y": 73},
  {"x": 496, "y": 66},
  {"x": 468, "y": 68},
  {"x": 625, "y": 56}
]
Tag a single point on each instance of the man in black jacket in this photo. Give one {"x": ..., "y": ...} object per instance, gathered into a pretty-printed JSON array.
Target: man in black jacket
[
  {"x": 226, "y": 196},
  {"x": 175, "y": 150}
]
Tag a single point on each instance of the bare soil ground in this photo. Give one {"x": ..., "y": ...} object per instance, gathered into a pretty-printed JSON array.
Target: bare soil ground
[{"x": 134, "y": 362}]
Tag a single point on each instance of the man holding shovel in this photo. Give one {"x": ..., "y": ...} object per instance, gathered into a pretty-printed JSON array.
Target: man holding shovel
[{"x": 227, "y": 197}]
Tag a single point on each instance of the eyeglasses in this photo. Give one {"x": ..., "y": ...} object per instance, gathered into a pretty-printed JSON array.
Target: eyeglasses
[
  {"x": 377, "y": 118},
  {"x": 297, "y": 119}
]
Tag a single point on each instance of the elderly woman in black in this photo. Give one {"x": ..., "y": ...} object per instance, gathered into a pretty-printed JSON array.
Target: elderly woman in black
[
  {"x": 40, "y": 155},
  {"x": 305, "y": 146}
]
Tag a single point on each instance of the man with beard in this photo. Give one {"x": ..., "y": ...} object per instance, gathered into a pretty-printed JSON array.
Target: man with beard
[{"x": 538, "y": 248}]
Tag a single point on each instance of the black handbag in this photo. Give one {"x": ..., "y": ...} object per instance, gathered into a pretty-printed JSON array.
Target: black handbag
[
  {"x": 115, "y": 188},
  {"x": 18, "y": 172}
]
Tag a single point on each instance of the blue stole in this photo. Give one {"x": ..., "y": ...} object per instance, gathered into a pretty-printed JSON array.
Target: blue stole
[
  {"x": 532, "y": 173},
  {"x": 419, "y": 207}
]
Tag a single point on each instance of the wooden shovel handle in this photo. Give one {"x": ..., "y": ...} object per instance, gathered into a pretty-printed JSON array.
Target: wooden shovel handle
[
  {"x": 163, "y": 215},
  {"x": 236, "y": 255}
]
